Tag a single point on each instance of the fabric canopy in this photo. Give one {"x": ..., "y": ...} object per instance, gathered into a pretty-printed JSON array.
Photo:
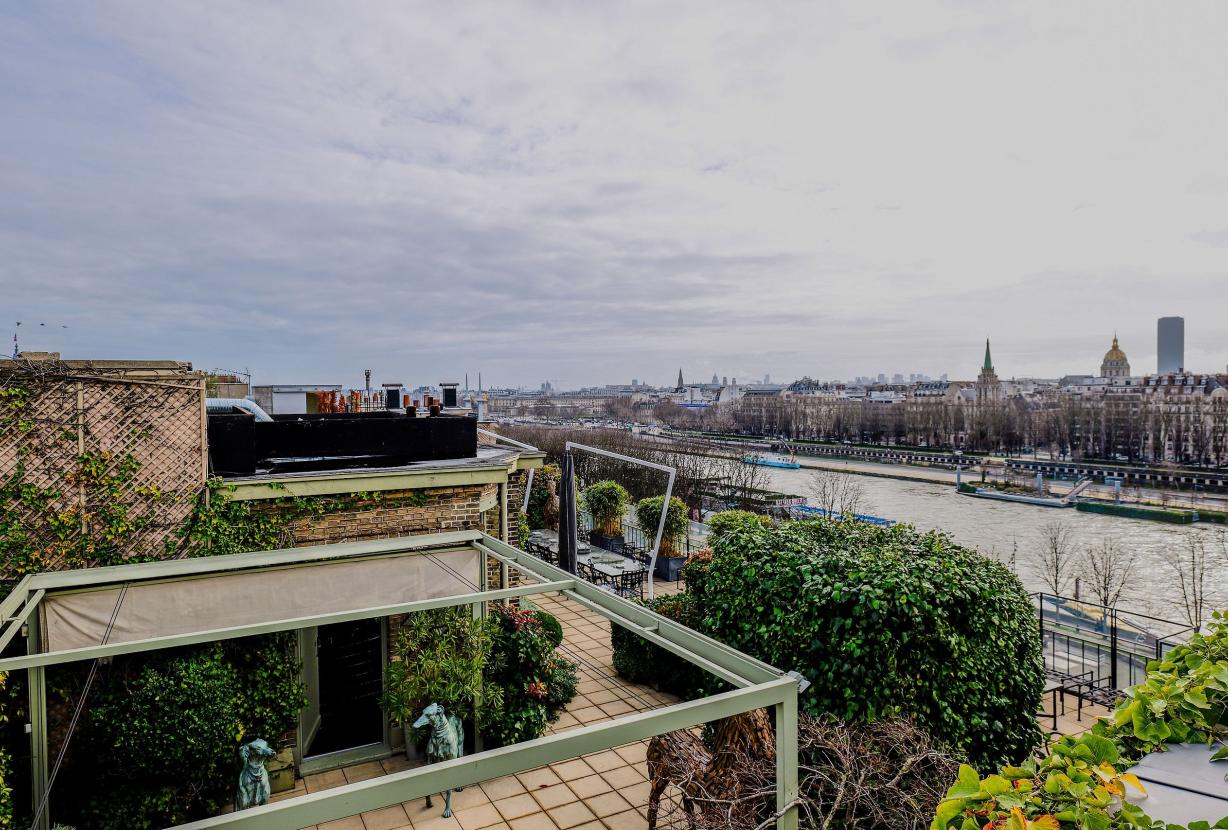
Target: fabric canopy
[{"x": 159, "y": 609}]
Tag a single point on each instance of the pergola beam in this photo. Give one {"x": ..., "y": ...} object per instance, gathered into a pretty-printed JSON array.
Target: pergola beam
[
  {"x": 352, "y": 799},
  {"x": 760, "y": 685},
  {"x": 52, "y": 658}
]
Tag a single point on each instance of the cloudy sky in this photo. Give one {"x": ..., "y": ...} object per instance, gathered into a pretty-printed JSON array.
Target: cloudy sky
[{"x": 590, "y": 192}]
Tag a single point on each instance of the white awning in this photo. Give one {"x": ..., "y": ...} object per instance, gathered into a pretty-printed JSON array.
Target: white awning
[{"x": 168, "y": 608}]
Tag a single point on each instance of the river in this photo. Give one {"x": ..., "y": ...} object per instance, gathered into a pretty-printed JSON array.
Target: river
[{"x": 1003, "y": 531}]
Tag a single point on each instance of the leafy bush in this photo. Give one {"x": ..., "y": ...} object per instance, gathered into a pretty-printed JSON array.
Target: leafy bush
[
  {"x": 562, "y": 682},
  {"x": 640, "y": 661},
  {"x": 1084, "y": 779},
  {"x": 160, "y": 739},
  {"x": 519, "y": 665},
  {"x": 6, "y": 760},
  {"x": 648, "y": 514},
  {"x": 270, "y": 693},
  {"x": 439, "y": 656},
  {"x": 885, "y": 622},
  {"x": 550, "y": 627},
  {"x": 727, "y": 521},
  {"x": 607, "y": 501}
]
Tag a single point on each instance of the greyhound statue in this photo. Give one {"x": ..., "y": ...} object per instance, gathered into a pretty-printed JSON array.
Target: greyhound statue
[
  {"x": 447, "y": 741},
  {"x": 254, "y": 778}
]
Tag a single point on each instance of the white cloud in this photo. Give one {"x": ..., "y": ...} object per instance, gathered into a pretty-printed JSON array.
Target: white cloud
[{"x": 591, "y": 192}]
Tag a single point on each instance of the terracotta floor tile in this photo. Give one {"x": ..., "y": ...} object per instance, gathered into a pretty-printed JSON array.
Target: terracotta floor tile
[
  {"x": 570, "y": 815},
  {"x": 438, "y": 823},
  {"x": 572, "y": 770},
  {"x": 535, "y": 778},
  {"x": 554, "y": 796},
  {"x": 623, "y": 777},
  {"x": 479, "y": 817},
  {"x": 363, "y": 772},
  {"x": 633, "y": 753},
  {"x": 351, "y": 823},
  {"x": 537, "y": 821},
  {"x": 517, "y": 806},
  {"x": 607, "y": 804},
  {"x": 630, "y": 820},
  {"x": 388, "y": 818},
  {"x": 589, "y": 786},
  {"x": 324, "y": 780},
  {"x": 504, "y": 787},
  {"x": 602, "y": 761}
]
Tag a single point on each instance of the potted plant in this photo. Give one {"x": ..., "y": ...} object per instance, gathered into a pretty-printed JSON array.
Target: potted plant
[
  {"x": 671, "y": 557},
  {"x": 607, "y": 502},
  {"x": 438, "y": 656}
]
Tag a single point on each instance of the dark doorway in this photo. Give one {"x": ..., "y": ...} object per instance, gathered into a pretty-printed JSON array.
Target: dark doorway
[{"x": 351, "y": 679}]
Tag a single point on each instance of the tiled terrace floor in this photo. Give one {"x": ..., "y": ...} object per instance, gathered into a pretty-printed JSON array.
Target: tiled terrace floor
[{"x": 604, "y": 791}]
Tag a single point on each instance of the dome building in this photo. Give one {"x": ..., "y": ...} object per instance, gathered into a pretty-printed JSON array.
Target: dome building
[{"x": 1115, "y": 364}]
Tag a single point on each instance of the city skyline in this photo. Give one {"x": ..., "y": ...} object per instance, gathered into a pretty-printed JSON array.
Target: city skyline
[{"x": 607, "y": 192}]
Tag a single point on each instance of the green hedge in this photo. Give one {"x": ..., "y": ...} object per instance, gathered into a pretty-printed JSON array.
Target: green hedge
[
  {"x": 639, "y": 661},
  {"x": 1154, "y": 514},
  {"x": 885, "y": 622}
]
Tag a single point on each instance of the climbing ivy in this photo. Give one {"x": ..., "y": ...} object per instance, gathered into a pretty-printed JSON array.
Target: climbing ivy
[{"x": 219, "y": 525}]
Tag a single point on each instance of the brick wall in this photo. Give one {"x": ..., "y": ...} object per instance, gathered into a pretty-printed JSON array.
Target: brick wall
[{"x": 396, "y": 513}]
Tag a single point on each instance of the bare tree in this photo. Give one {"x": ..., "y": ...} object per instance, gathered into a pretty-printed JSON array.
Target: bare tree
[
  {"x": 1107, "y": 570},
  {"x": 1055, "y": 565},
  {"x": 1191, "y": 566},
  {"x": 837, "y": 493}
]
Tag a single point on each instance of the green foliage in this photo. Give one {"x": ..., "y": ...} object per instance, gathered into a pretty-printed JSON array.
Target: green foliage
[
  {"x": 501, "y": 670},
  {"x": 523, "y": 665},
  {"x": 522, "y": 529},
  {"x": 1183, "y": 698},
  {"x": 551, "y": 627},
  {"x": 540, "y": 493},
  {"x": 648, "y": 514},
  {"x": 270, "y": 693},
  {"x": 607, "y": 501},
  {"x": 161, "y": 738},
  {"x": 728, "y": 521},
  {"x": 885, "y": 622},
  {"x": 6, "y": 760},
  {"x": 41, "y": 528},
  {"x": 438, "y": 657},
  {"x": 640, "y": 661},
  {"x": 1083, "y": 780}
]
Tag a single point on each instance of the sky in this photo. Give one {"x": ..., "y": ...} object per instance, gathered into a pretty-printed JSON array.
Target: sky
[{"x": 587, "y": 193}]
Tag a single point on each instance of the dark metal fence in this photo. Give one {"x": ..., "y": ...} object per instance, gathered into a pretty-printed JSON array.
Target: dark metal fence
[{"x": 1110, "y": 646}]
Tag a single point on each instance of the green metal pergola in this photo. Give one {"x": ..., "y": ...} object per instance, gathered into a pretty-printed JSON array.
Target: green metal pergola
[{"x": 756, "y": 684}]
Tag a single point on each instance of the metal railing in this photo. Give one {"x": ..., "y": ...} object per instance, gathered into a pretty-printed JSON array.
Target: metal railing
[{"x": 1110, "y": 646}]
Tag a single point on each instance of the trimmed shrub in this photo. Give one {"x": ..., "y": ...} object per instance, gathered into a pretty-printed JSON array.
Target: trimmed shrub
[
  {"x": 886, "y": 622},
  {"x": 648, "y": 514},
  {"x": 270, "y": 693},
  {"x": 551, "y": 627},
  {"x": 161, "y": 738},
  {"x": 607, "y": 501},
  {"x": 640, "y": 661},
  {"x": 727, "y": 521}
]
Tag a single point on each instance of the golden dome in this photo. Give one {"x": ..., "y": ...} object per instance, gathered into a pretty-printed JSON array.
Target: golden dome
[{"x": 1115, "y": 354}]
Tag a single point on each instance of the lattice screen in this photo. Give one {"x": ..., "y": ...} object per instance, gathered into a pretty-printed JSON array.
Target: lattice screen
[{"x": 108, "y": 465}]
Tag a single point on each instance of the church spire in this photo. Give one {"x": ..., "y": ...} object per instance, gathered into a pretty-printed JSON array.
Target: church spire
[
  {"x": 680, "y": 377},
  {"x": 988, "y": 359}
]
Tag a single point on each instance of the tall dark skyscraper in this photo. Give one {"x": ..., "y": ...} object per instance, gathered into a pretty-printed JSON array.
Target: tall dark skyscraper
[{"x": 1170, "y": 345}]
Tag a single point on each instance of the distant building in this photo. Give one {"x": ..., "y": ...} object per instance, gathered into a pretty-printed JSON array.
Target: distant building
[
  {"x": 1170, "y": 345},
  {"x": 988, "y": 387},
  {"x": 1115, "y": 364}
]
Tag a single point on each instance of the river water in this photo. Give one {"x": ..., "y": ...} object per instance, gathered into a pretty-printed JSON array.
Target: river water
[{"x": 1006, "y": 531}]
